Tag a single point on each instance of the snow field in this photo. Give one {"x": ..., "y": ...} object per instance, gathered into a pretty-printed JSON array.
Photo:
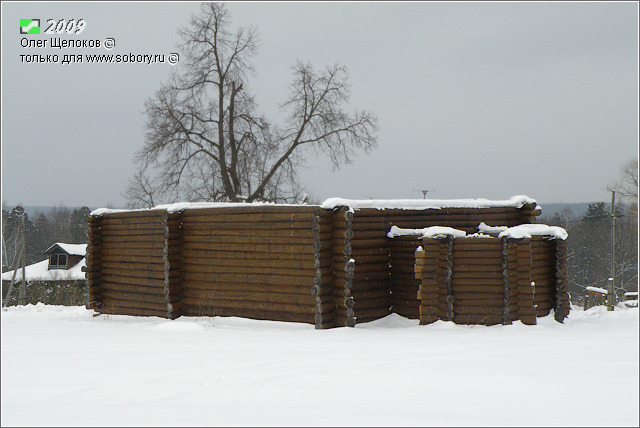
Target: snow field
[{"x": 63, "y": 367}]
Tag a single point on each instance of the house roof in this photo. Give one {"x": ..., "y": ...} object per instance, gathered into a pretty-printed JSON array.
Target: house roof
[
  {"x": 71, "y": 249},
  {"x": 40, "y": 272}
]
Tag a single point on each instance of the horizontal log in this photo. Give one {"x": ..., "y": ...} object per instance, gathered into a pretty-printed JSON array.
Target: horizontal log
[
  {"x": 157, "y": 290},
  {"x": 231, "y": 260},
  {"x": 148, "y": 282},
  {"x": 368, "y": 285},
  {"x": 475, "y": 319},
  {"x": 138, "y": 259},
  {"x": 252, "y": 240},
  {"x": 150, "y": 214},
  {"x": 481, "y": 260},
  {"x": 409, "y": 296},
  {"x": 363, "y": 267},
  {"x": 191, "y": 217},
  {"x": 117, "y": 310},
  {"x": 299, "y": 249},
  {"x": 273, "y": 280},
  {"x": 214, "y": 287},
  {"x": 370, "y": 243},
  {"x": 367, "y": 313},
  {"x": 411, "y": 313},
  {"x": 144, "y": 267},
  {"x": 257, "y": 229},
  {"x": 370, "y": 294},
  {"x": 249, "y": 306},
  {"x": 220, "y": 253},
  {"x": 459, "y": 245},
  {"x": 137, "y": 221},
  {"x": 380, "y": 302},
  {"x": 125, "y": 253},
  {"x": 155, "y": 299},
  {"x": 121, "y": 302},
  {"x": 215, "y": 269},
  {"x": 400, "y": 213},
  {"x": 199, "y": 311},
  {"x": 543, "y": 312},
  {"x": 370, "y": 276},
  {"x": 211, "y": 297},
  {"x": 476, "y": 275},
  {"x": 310, "y": 210},
  {"x": 140, "y": 274},
  {"x": 133, "y": 247},
  {"x": 358, "y": 252},
  {"x": 135, "y": 229},
  {"x": 375, "y": 259},
  {"x": 404, "y": 287}
]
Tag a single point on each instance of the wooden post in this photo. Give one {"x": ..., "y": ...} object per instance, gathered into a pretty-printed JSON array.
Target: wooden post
[
  {"x": 316, "y": 290},
  {"x": 562, "y": 296},
  {"x": 505, "y": 277},
  {"x": 448, "y": 276},
  {"x": 526, "y": 288},
  {"x": 22, "y": 292},
  {"x": 612, "y": 279},
  {"x": 14, "y": 265},
  {"x": 93, "y": 261}
]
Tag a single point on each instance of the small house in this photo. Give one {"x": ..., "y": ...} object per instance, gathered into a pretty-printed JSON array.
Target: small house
[{"x": 57, "y": 280}]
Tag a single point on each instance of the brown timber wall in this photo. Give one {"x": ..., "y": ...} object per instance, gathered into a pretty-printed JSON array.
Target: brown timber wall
[
  {"x": 403, "y": 283},
  {"x": 478, "y": 280},
  {"x": 133, "y": 263},
  {"x": 286, "y": 263},
  {"x": 262, "y": 263},
  {"x": 383, "y": 277}
]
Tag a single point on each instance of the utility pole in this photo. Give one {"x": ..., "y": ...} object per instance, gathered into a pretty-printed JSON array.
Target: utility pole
[
  {"x": 19, "y": 261},
  {"x": 613, "y": 254},
  {"x": 424, "y": 192},
  {"x": 22, "y": 292}
]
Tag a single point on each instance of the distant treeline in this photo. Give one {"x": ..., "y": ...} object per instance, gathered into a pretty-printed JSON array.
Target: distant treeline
[
  {"x": 589, "y": 247},
  {"x": 59, "y": 224}
]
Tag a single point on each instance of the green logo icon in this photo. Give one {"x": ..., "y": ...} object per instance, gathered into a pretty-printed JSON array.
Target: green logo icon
[{"x": 29, "y": 26}]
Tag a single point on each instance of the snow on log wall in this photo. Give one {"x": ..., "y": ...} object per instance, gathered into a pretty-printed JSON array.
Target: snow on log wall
[{"x": 487, "y": 280}]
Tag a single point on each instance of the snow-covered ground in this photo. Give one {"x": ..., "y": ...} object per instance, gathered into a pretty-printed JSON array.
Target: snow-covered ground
[{"x": 63, "y": 367}]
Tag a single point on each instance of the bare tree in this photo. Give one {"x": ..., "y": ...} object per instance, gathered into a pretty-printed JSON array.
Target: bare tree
[
  {"x": 205, "y": 140},
  {"x": 627, "y": 183}
]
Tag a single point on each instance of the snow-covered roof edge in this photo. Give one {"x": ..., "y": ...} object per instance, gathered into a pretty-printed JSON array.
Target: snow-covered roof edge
[
  {"x": 71, "y": 249},
  {"x": 407, "y": 204},
  {"x": 181, "y": 206},
  {"x": 427, "y": 232},
  {"x": 420, "y": 204},
  {"x": 484, "y": 228},
  {"x": 524, "y": 231},
  {"x": 40, "y": 272}
]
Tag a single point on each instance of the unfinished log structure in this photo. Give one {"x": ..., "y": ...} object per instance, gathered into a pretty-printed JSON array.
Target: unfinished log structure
[
  {"x": 329, "y": 265},
  {"x": 492, "y": 279}
]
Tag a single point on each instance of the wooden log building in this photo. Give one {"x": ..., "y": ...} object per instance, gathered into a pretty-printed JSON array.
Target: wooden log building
[{"x": 329, "y": 265}]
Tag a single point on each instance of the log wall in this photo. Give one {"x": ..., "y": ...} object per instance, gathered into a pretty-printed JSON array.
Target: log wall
[
  {"x": 133, "y": 264},
  {"x": 402, "y": 282},
  {"x": 287, "y": 263},
  {"x": 263, "y": 263},
  {"x": 484, "y": 280}
]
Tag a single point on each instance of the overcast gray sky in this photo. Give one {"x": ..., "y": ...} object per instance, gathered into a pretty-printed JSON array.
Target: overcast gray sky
[{"x": 473, "y": 99}]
